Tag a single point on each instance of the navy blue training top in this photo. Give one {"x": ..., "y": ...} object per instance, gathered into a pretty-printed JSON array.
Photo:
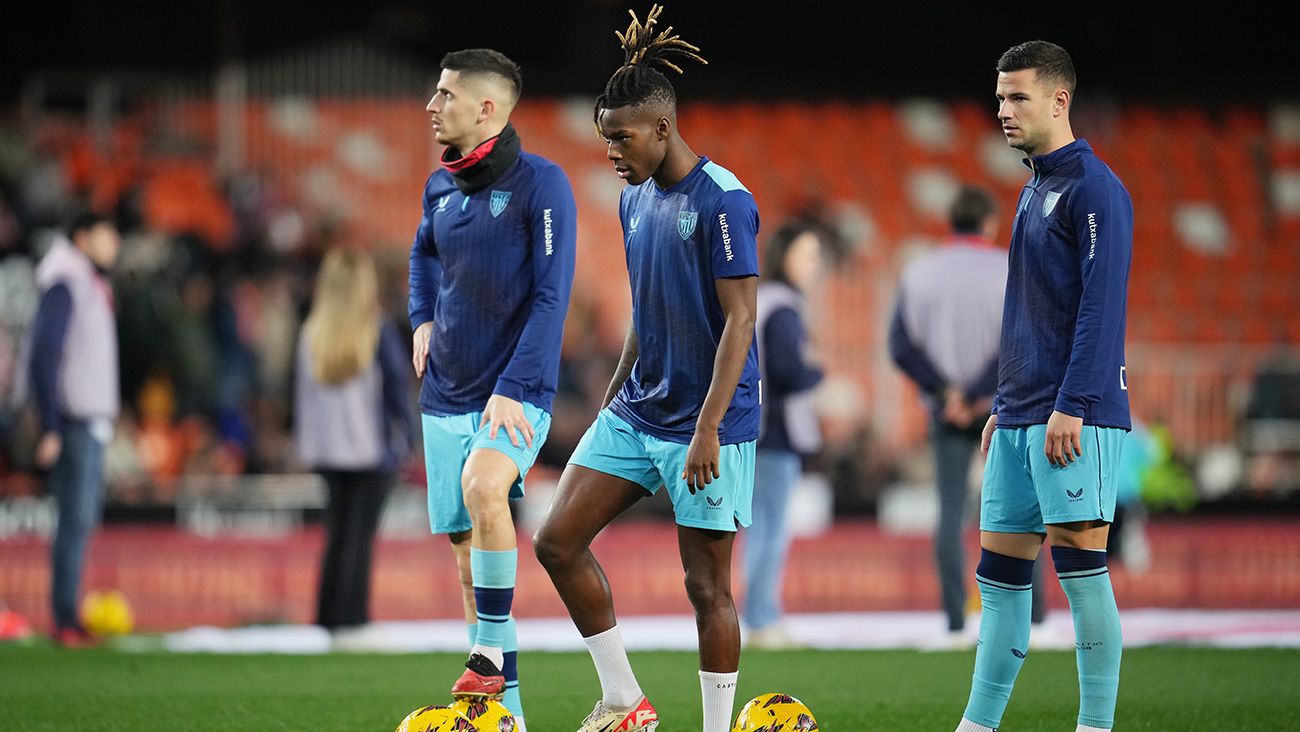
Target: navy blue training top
[
  {"x": 677, "y": 242},
  {"x": 1063, "y": 321},
  {"x": 492, "y": 271}
]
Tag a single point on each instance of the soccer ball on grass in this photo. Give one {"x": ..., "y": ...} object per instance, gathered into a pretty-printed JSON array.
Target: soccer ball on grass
[{"x": 775, "y": 713}]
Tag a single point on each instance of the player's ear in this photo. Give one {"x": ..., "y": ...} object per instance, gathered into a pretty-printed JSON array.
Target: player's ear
[
  {"x": 487, "y": 109},
  {"x": 1061, "y": 102},
  {"x": 663, "y": 128}
]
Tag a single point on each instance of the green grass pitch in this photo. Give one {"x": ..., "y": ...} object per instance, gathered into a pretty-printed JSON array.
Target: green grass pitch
[{"x": 1174, "y": 689}]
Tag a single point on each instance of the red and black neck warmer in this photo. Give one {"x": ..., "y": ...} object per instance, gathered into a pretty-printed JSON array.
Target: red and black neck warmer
[{"x": 485, "y": 163}]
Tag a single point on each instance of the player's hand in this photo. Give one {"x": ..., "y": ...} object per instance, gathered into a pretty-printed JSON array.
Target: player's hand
[
  {"x": 986, "y": 438},
  {"x": 702, "y": 459},
  {"x": 1062, "y": 445},
  {"x": 48, "y": 449},
  {"x": 420, "y": 349},
  {"x": 506, "y": 412}
]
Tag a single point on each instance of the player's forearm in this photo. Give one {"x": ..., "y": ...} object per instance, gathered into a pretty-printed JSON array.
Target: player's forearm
[
  {"x": 553, "y": 245},
  {"x": 625, "y": 362},
  {"x": 423, "y": 281},
  {"x": 1101, "y": 312},
  {"x": 728, "y": 365},
  {"x": 538, "y": 342}
]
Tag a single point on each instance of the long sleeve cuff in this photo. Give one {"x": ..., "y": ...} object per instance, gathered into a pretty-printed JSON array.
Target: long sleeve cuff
[
  {"x": 510, "y": 389},
  {"x": 1069, "y": 404}
]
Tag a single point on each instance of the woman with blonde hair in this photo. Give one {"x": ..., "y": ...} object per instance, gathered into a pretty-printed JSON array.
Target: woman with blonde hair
[{"x": 352, "y": 423}]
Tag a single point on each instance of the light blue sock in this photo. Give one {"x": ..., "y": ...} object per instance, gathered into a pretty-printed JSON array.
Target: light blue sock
[
  {"x": 1098, "y": 640},
  {"x": 1004, "y": 585},
  {"x": 494, "y": 593},
  {"x": 472, "y": 631}
]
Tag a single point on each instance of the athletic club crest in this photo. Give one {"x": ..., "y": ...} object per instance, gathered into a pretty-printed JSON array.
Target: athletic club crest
[
  {"x": 498, "y": 202},
  {"x": 686, "y": 221},
  {"x": 1049, "y": 202}
]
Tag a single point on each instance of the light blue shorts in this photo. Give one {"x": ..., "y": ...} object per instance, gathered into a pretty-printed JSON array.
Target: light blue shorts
[
  {"x": 1023, "y": 491},
  {"x": 448, "y": 441},
  {"x": 614, "y": 447}
]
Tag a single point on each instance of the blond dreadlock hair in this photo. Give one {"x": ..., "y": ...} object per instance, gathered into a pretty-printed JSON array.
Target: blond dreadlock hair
[{"x": 637, "y": 81}]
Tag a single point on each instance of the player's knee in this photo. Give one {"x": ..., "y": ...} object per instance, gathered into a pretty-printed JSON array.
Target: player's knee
[
  {"x": 552, "y": 552},
  {"x": 482, "y": 495},
  {"x": 705, "y": 591},
  {"x": 1080, "y": 535}
]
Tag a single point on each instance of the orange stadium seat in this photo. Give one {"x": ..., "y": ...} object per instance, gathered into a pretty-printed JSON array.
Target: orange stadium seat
[{"x": 825, "y": 156}]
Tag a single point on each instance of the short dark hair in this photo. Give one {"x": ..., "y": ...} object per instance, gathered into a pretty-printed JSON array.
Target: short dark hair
[
  {"x": 637, "y": 82},
  {"x": 972, "y": 206},
  {"x": 87, "y": 221},
  {"x": 781, "y": 241},
  {"x": 1052, "y": 62},
  {"x": 486, "y": 61}
]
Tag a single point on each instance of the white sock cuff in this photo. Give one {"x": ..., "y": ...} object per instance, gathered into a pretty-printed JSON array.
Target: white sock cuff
[
  {"x": 969, "y": 726},
  {"x": 1086, "y": 728},
  {"x": 719, "y": 680},
  {"x": 603, "y": 637}
]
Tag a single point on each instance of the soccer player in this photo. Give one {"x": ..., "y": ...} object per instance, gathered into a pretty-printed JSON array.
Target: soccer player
[
  {"x": 491, "y": 270},
  {"x": 682, "y": 410},
  {"x": 1061, "y": 411}
]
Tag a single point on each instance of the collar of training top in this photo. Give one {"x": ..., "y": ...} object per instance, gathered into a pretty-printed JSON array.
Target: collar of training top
[
  {"x": 485, "y": 163},
  {"x": 1045, "y": 163}
]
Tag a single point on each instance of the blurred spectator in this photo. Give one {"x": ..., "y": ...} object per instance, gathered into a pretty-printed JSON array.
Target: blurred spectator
[
  {"x": 18, "y": 299},
  {"x": 352, "y": 424},
  {"x": 74, "y": 381},
  {"x": 1271, "y": 431},
  {"x": 944, "y": 336},
  {"x": 159, "y": 446},
  {"x": 793, "y": 266}
]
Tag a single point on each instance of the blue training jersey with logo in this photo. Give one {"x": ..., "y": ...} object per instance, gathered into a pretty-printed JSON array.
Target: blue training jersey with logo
[
  {"x": 1063, "y": 318},
  {"x": 677, "y": 242},
  {"x": 492, "y": 271}
]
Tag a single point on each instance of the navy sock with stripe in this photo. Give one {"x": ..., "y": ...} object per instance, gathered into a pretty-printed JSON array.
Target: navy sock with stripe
[{"x": 494, "y": 593}]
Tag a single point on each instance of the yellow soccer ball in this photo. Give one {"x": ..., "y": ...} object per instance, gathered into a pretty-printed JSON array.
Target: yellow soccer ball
[
  {"x": 107, "y": 612},
  {"x": 434, "y": 718},
  {"x": 487, "y": 715},
  {"x": 462, "y": 715},
  {"x": 774, "y": 713}
]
